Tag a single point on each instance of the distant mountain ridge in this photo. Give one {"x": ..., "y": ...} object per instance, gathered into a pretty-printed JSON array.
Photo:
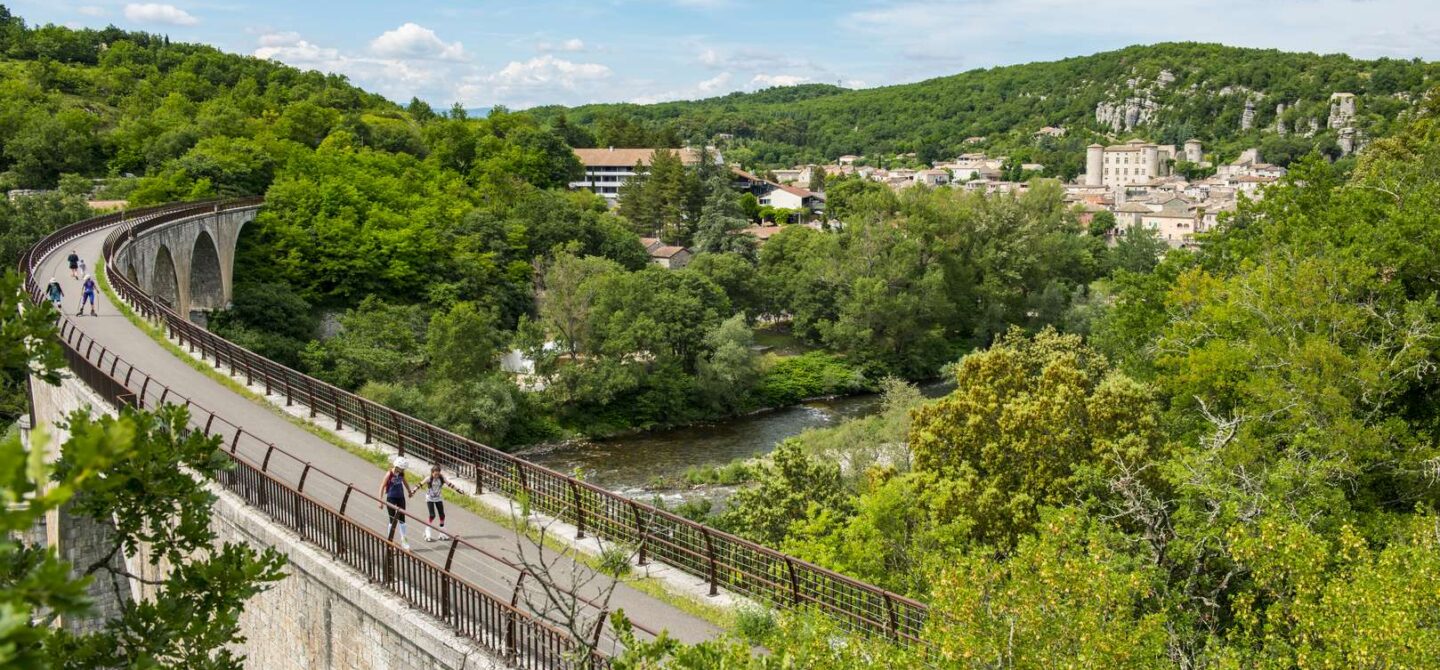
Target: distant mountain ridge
[{"x": 1228, "y": 97}]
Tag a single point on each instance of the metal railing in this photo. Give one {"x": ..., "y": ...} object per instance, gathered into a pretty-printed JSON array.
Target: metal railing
[
  {"x": 722, "y": 559},
  {"x": 259, "y": 475},
  {"x": 340, "y": 519}
]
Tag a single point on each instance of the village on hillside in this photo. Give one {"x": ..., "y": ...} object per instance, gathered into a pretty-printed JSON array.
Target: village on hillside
[{"x": 1174, "y": 191}]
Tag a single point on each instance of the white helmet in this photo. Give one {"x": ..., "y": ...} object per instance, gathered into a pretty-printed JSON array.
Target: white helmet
[{"x": 399, "y": 462}]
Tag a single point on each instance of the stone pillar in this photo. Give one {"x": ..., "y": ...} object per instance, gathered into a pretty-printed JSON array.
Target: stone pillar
[
  {"x": 1193, "y": 151},
  {"x": 1094, "y": 165},
  {"x": 1152, "y": 160}
]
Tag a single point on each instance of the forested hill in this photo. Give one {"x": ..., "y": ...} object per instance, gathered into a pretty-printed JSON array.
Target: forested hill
[
  {"x": 1170, "y": 92},
  {"x": 111, "y": 102}
]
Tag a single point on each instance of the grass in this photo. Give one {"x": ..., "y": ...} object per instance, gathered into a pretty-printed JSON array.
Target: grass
[
  {"x": 650, "y": 586},
  {"x": 754, "y": 624},
  {"x": 781, "y": 341}
]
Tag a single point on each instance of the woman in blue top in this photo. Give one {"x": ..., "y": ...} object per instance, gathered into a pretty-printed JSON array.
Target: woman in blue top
[
  {"x": 87, "y": 296},
  {"x": 394, "y": 490}
]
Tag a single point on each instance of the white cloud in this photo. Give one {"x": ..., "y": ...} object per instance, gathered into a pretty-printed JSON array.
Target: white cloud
[
  {"x": 572, "y": 45},
  {"x": 768, "y": 80},
  {"x": 714, "y": 84},
  {"x": 540, "y": 80},
  {"x": 395, "y": 78},
  {"x": 91, "y": 10},
  {"x": 151, "y": 12},
  {"x": 411, "y": 41},
  {"x": 943, "y": 38}
]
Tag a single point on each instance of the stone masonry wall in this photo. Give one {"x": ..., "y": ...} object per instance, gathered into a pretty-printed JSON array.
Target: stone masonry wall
[{"x": 321, "y": 616}]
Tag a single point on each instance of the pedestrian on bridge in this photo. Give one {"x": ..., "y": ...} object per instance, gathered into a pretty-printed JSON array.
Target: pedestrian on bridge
[
  {"x": 394, "y": 490},
  {"x": 55, "y": 293},
  {"x": 434, "y": 486},
  {"x": 83, "y": 273},
  {"x": 87, "y": 296},
  {"x": 74, "y": 260}
]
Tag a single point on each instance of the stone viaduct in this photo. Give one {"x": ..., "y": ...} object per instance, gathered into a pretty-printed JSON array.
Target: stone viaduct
[{"x": 189, "y": 263}]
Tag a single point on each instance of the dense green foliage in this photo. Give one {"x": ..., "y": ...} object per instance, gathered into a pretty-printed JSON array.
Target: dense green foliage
[
  {"x": 1006, "y": 105},
  {"x": 1236, "y": 470}
]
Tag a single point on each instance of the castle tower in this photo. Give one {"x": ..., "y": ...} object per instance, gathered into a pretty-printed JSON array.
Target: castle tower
[
  {"x": 1152, "y": 160},
  {"x": 1193, "y": 152},
  {"x": 1094, "y": 165}
]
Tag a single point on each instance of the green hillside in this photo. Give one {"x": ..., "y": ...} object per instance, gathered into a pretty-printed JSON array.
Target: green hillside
[
  {"x": 1195, "y": 90},
  {"x": 111, "y": 102}
]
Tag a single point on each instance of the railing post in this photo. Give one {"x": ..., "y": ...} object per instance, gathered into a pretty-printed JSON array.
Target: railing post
[
  {"x": 208, "y": 422},
  {"x": 235, "y": 441},
  {"x": 340, "y": 523},
  {"x": 445, "y": 579},
  {"x": 479, "y": 478},
  {"x": 143, "y": 387},
  {"x": 387, "y": 569},
  {"x": 335, "y": 395},
  {"x": 399, "y": 434},
  {"x": 890, "y": 614},
  {"x": 524, "y": 478},
  {"x": 794, "y": 581},
  {"x": 265, "y": 464},
  {"x": 289, "y": 393},
  {"x": 365, "y": 414},
  {"x": 250, "y": 373},
  {"x": 310, "y": 386},
  {"x": 640, "y": 536},
  {"x": 510, "y": 615},
  {"x": 579, "y": 509},
  {"x": 599, "y": 626},
  {"x": 163, "y": 395},
  {"x": 710, "y": 552}
]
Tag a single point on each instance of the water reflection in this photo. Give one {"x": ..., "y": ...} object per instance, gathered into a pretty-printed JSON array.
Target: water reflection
[{"x": 630, "y": 464}]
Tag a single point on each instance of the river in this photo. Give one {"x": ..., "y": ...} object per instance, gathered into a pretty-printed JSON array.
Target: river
[{"x": 630, "y": 464}]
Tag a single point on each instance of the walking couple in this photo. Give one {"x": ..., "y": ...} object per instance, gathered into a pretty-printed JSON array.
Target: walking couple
[{"x": 395, "y": 492}]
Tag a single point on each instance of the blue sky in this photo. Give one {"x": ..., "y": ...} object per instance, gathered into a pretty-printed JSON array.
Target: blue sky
[{"x": 521, "y": 54}]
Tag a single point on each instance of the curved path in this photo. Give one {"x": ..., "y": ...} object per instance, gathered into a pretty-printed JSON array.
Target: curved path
[{"x": 113, "y": 331}]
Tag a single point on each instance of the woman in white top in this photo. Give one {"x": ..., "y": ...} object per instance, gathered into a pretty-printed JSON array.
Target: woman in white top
[{"x": 434, "y": 501}]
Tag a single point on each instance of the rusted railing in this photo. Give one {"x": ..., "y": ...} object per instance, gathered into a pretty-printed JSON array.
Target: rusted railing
[
  {"x": 722, "y": 559},
  {"x": 341, "y": 520}
]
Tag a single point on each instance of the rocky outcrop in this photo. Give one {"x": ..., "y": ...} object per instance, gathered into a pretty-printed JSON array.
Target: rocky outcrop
[
  {"x": 1247, "y": 119},
  {"x": 1126, "y": 115},
  {"x": 1280, "y": 119},
  {"x": 1342, "y": 110}
]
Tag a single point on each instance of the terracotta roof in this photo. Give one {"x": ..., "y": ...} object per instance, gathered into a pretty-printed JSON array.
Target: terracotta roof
[
  {"x": 666, "y": 252},
  {"x": 795, "y": 190},
  {"x": 615, "y": 157},
  {"x": 1134, "y": 207}
]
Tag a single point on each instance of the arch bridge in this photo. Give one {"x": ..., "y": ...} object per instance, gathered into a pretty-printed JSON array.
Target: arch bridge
[{"x": 188, "y": 263}]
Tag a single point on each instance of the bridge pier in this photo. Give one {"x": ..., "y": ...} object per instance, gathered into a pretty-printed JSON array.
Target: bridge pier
[{"x": 189, "y": 263}]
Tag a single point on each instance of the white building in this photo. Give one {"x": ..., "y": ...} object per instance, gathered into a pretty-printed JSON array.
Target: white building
[
  {"x": 607, "y": 169},
  {"x": 793, "y": 197},
  {"x": 1133, "y": 162}
]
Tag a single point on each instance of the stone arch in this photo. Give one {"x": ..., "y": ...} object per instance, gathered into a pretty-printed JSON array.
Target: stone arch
[
  {"x": 130, "y": 272},
  {"x": 207, "y": 284},
  {"x": 164, "y": 280}
]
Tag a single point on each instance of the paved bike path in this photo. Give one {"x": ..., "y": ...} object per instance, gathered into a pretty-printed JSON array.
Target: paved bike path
[{"x": 112, "y": 330}]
